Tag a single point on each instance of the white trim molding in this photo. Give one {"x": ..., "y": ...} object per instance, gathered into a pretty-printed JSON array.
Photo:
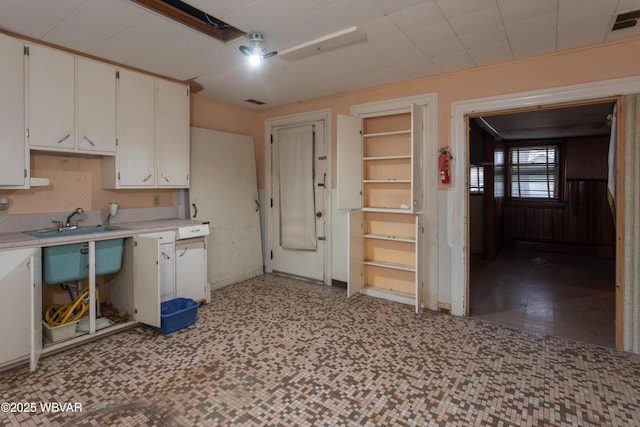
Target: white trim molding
[{"x": 458, "y": 230}]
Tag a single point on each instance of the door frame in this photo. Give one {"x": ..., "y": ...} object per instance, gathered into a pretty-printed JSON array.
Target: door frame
[
  {"x": 300, "y": 119},
  {"x": 457, "y": 231}
]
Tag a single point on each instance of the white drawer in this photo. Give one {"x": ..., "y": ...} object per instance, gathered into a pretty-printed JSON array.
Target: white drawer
[{"x": 190, "y": 231}]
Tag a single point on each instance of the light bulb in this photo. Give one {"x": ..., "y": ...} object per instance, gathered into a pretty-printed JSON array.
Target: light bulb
[{"x": 254, "y": 60}]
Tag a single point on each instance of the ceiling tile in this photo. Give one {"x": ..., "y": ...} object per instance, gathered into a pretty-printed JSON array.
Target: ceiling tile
[
  {"x": 522, "y": 10},
  {"x": 453, "y": 61},
  {"x": 264, "y": 15},
  {"x": 29, "y": 18},
  {"x": 354, "y": 12},
  {"x": 379, "y": 28},
  {"x": 421, "y": 15},
  {"x": 75, "y": 37},
  {"x": 534, "y": 25},
  {"x": 486, "y": 36},
  {"x": 455, "y": 8},
  {"x": 419, "y": 67},
  {"x": 303, "y": 30},
  {"x": 391, "y": 6},
  {"x": 491, "y": 53},
  {"x": 533, "y": 44},
  {"x": 477, "y": 21}
]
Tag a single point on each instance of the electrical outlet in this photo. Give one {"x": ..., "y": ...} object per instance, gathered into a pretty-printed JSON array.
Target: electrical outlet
[{"x": 156, "y": 200}]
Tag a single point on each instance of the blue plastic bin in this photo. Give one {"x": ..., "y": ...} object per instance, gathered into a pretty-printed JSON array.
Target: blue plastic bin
[{"x": 177, "y": 313}]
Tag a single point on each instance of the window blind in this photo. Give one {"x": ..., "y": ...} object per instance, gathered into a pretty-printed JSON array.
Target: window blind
[{"x": 534, "y": 172}]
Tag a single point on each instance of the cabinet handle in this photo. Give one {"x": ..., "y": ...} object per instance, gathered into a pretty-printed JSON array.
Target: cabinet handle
[
  {"x": 183, "y": 252},
  {"x": 89, "y": 141},
  {"x": 64, "y": 138},
  {"x": 195, "y": 210},
  {"x": 147, "y": 178},
  {"x": 165, "y": 178},
  {"x": 165, "y": 256},
  {"x": 257, "y": 205}
]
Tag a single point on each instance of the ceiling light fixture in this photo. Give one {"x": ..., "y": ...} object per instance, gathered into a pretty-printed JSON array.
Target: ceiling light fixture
[{"x": 256, "y": 52}]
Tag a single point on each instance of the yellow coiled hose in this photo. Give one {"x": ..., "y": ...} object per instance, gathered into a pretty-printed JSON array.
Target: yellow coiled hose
[{"x": 56, "y": 315}]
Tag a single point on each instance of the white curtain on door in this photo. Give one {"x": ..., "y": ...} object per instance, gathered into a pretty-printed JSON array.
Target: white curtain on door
[{"x": 297, "y": 201}]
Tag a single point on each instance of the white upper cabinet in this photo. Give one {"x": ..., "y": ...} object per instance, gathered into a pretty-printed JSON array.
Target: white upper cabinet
[
  {"x": 72, "y": 103},
  {"x": 96, "y": 106},
  {"x": 172, "y": 134},
  {"x": 153, "y": 134},
  {"x": 14, "y": 158},
  {"x": 136, "y": 130},
  {"x": 51, "y": 98}
]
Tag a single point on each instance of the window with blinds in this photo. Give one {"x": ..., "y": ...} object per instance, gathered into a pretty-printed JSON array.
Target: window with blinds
[
  {"x": 534, "y": 172},
  {"x": 476, "y": 179}
]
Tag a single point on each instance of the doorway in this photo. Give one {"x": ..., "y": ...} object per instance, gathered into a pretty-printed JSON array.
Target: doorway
[
  {"x": 297, "y": 180},
  {"x": 542, "y": 233}
]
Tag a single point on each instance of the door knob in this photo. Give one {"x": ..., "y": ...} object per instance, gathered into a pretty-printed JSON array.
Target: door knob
[{"x": 319, "y": 214}]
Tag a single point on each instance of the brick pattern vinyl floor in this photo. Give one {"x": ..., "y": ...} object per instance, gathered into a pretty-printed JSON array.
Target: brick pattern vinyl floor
[{"x": 281, "y": 352}]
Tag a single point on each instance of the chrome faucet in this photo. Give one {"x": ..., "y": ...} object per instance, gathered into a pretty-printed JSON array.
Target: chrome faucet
[{"x": 68, "y": 225}]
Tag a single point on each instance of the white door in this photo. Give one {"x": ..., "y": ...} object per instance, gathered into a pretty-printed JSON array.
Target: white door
[
  {"x": 299, "y": 174},
  {"x": 224, "y": 191}
]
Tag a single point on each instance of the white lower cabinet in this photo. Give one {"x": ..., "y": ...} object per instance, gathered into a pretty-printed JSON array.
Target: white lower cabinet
[
  {"x": 191, "y": 269},
  {"x": 21, "y": 279}
]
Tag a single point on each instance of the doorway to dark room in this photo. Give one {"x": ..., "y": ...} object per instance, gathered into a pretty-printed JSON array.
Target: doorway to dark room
[{"x": 541, "y": 229}]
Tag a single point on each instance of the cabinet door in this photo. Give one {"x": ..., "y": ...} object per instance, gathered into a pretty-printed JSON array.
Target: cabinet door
[
  {"x": 191, "y": 270},
  {"x": 349, "y": 156},
  {"x": 15, "y": 324},
  {"x": 35, "y": 280},
  {"x": 417, "y": 142},
  {"x": 96, "y": 106},
  {"x": 167, "y": 271},
  {"x": 418, "y": 261},
  {"x": 12, "y": 124},
  {"x": 355, "y": 271},
  {"x": 51, "y": 99},
  {"x": 172, "y": 134},
  {"x": 136, "y": 153},
  {"x": 146, "y": 280}
]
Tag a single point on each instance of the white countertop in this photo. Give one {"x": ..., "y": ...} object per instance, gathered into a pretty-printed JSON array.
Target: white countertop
[{"x": 18, "y": 239}]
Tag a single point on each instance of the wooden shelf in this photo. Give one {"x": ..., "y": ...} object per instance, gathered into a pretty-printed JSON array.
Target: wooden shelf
[
  {"x": 395, "y": 132},
  {"x": 389, "y": 294},
  {"x": 399, "y": 157},
  {"x": 387, "y": 181},
  {"x": 391, "y": 238},
  {"x": 389, "y": 210},
  {"x": 390, "y": 265}
]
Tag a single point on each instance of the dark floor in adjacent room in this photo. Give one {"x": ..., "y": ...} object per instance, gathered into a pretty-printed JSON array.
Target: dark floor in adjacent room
[
  {"x": 565, "y": 295},
  {"x": 274, "y": 351}
]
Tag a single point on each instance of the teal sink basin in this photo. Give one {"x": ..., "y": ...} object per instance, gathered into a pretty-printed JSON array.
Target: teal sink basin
[
  {"x": 68, "y": 263},
  {"x": 80, "y": 230}
]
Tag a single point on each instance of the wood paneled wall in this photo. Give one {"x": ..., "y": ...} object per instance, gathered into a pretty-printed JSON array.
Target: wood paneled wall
[{"x": 582, "y": 219}]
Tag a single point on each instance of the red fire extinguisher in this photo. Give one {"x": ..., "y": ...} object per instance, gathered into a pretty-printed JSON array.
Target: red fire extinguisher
[{"x": 443, "y": 165}]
